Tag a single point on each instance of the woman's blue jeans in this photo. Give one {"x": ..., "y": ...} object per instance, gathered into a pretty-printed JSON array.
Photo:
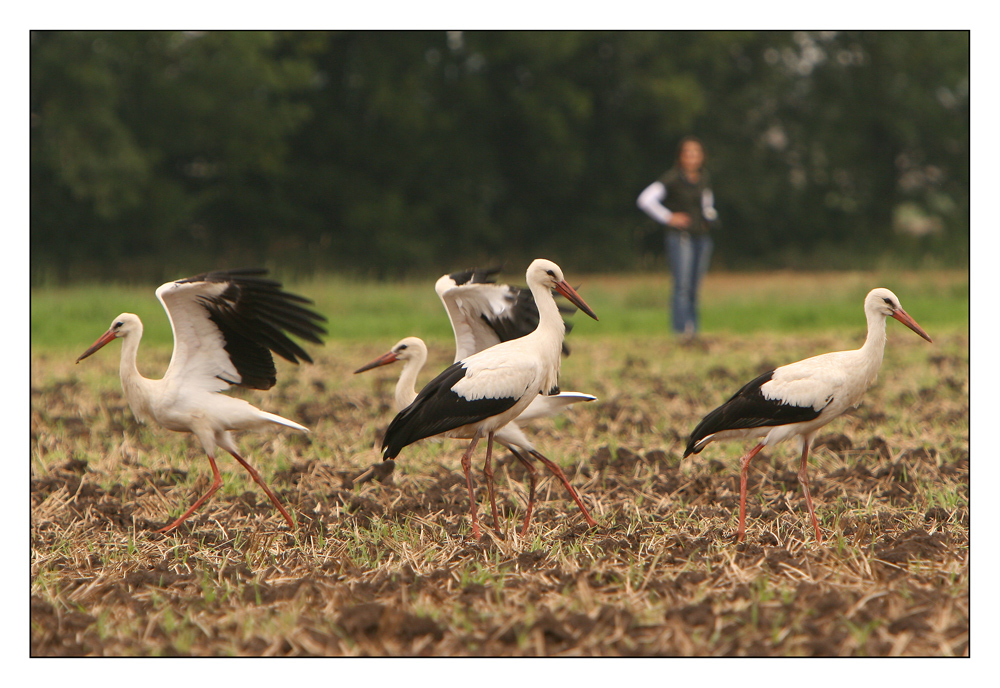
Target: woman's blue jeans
[{"x": 688, "y": 255}]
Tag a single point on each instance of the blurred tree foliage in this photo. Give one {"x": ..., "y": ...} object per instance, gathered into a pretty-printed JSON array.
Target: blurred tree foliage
[{"x": 158, "y": 153}]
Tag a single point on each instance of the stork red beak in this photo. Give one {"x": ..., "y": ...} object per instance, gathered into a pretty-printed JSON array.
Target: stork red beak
[
  {"x": 904, "y": 317},
  {"x": 384, "y": 359},
  {"x": 104, "y": 339},
  {"x": 574, "y": 298}
]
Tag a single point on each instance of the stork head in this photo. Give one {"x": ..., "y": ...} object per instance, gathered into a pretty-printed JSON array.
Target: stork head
[
  {"x": 408, "y": 349},
  {"x": 124, "y": 325},
  {"x": 883, "y": 302},
  {"x": 547, "y": 274}
]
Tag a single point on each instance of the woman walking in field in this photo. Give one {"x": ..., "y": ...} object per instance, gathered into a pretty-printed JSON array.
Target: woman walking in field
[{"x": 682, "y": 200}]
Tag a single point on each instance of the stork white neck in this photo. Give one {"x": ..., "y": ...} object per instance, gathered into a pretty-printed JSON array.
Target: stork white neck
[
  {"x": 879, "y": 305},
  {"x": 406, "y": 387},
  {"x": 135, "y": 387},
  {"x": 875, "y": 341},
  {"x": 549, "y": 318},
  {"x": 873, "y": 349},
  {"x": 551, "y": 328}
]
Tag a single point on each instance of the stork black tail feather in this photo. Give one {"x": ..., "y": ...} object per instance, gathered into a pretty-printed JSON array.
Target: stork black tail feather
[{"x": 701, "y": 431}]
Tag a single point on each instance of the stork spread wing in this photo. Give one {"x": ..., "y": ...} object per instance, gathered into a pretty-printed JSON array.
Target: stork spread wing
[
  {"x": 227, "y": 323},
  {"x": 472, "y": 309},
  {"x": 484, "y": 314}
]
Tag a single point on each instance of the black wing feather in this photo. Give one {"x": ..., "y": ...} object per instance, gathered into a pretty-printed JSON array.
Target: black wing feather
[
  {"x": 254, "y": 314},
  {"x": 748, "y": 408},
  {"x": 475, "y": 276},
  {"x": 438, "y": 409}
]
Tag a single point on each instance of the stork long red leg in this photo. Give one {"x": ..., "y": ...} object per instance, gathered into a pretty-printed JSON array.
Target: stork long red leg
[
  {"x": 488, "y": 471},
  {"x": 216, "y": 484},
  {"x": 804, "y": 481},
  {"x": 744, "y": 468},
  {"x": 467, "y": 467},
  {"x": 260, "y": 481},
  {"x": 532, "y": 479},
  {"x": 562, "y": 476}
]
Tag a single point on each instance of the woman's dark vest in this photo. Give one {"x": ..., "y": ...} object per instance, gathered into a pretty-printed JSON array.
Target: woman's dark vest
[{"x": 684, "y": 196}]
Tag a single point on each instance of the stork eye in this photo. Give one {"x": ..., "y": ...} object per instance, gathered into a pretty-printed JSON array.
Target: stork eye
[
  {"x": 888, "y": 301},
  {"x": 551, "y": 274},
  {"x": 401, "y": 347},
  {"x": 119, "y": 324}
]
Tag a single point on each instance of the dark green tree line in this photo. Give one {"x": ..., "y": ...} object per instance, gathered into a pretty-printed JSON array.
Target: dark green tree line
[{"x": 157, "y": 153}]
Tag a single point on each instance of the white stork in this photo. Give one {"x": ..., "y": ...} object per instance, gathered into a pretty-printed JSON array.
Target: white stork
[
  {"x": 413, "y": 352},
  {"x": 481, "y": 393},
  {"x": 225, "y": 325},
  {"x": 797, "y": 399}
]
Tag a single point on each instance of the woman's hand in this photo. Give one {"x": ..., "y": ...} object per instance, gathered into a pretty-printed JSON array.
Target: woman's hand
[{"x": 680, "y": 220}]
